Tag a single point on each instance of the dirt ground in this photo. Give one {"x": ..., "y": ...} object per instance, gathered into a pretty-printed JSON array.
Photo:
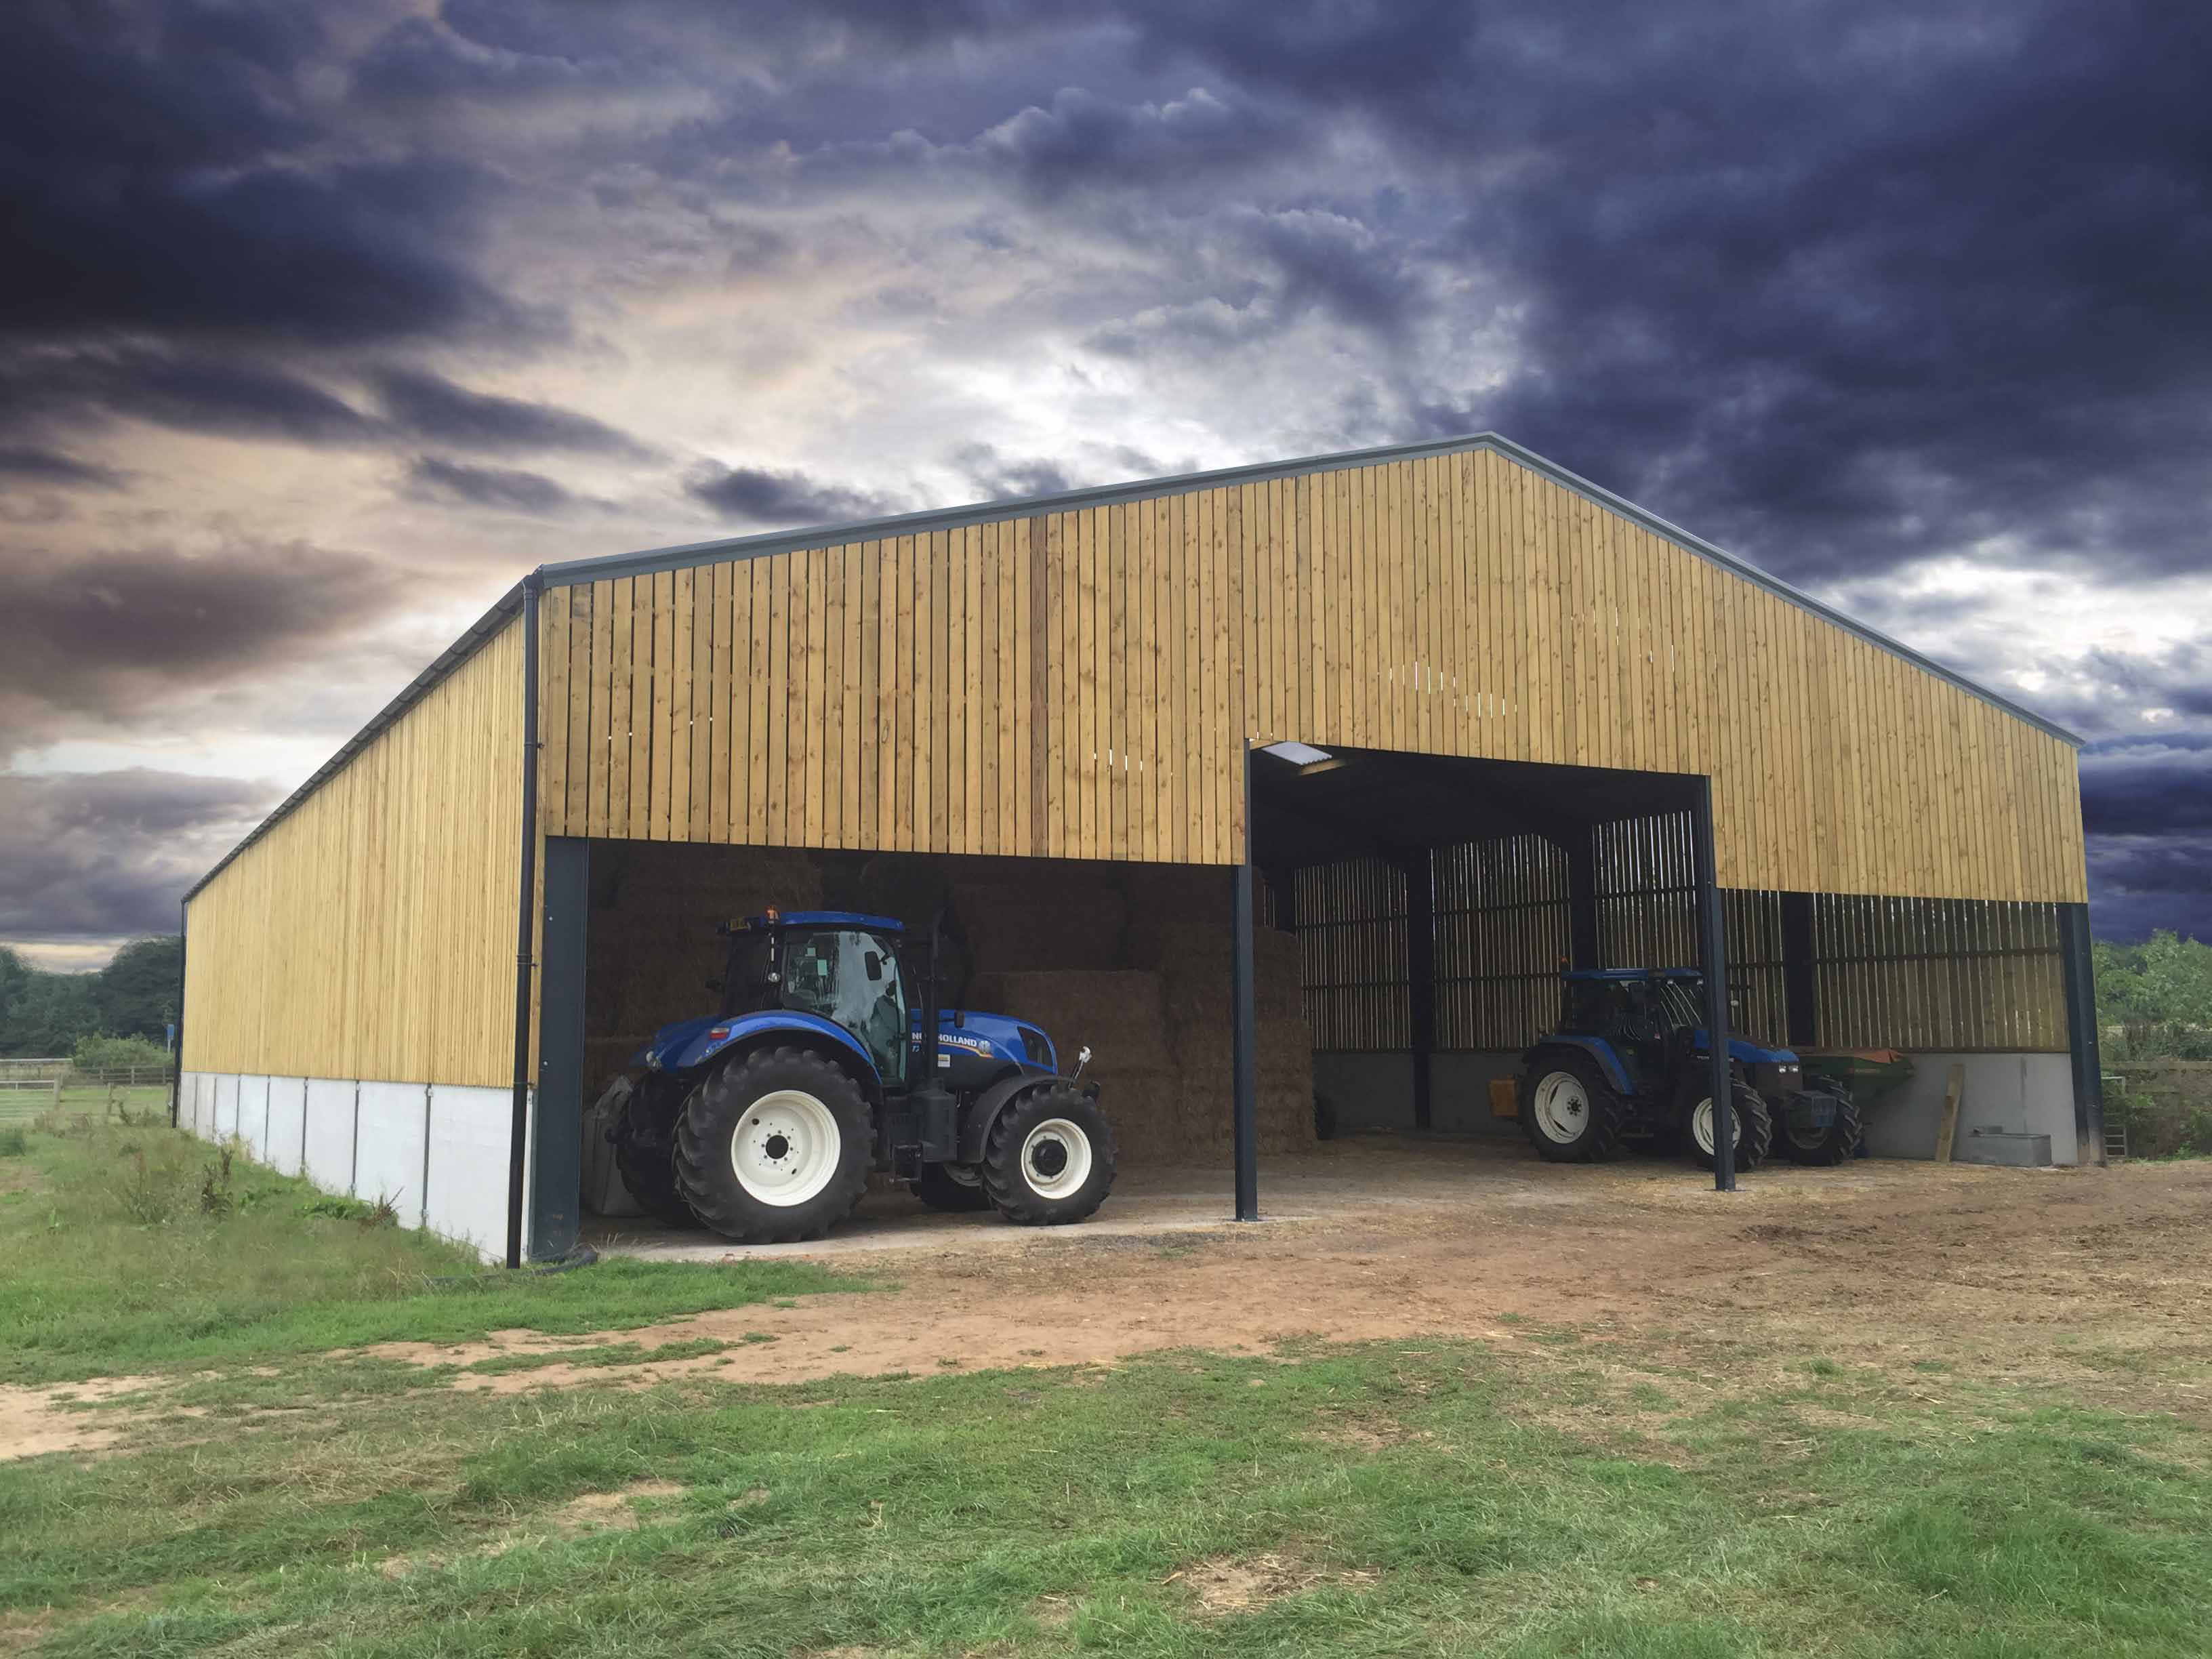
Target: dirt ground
[
  {"x": 1381, "y": 1237},
  {"x": 2084, "y": 1276}
]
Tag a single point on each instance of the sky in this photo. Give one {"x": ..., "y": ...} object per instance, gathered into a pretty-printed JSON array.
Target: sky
[{"x": 321, "y": 323}]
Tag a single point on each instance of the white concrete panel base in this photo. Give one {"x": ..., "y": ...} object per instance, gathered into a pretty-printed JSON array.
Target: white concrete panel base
[
  {"x": 226, "y": 1105},
  {"x": 288, "y": 1121},
  {"x": 388, "y": 1153},
  {"x": 471, "y": 1130},
  {"x": 2004, "y": 1095},
  {"x": 330, "y": 1133},
  {"x": 253, "y": 1116}
]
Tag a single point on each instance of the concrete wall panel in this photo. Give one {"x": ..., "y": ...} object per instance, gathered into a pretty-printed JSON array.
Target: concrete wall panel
[
  {"x": 288, "y": 1117},
  {"x": 469, "y": 1131},
  {"x": 253, "y": 1116},
  {"x": 330, "y": 1134},
  {"x": 2005, "y": 1095},
  {"x": 388, "y": 1160}
]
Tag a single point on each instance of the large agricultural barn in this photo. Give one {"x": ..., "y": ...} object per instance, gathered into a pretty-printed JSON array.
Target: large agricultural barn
[{"x": 1343, "y": 757}]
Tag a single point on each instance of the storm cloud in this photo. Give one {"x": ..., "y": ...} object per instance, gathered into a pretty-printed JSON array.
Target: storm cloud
[
  {"x": 105, "y": 856},
  {"x": 1903, "y": 301}
]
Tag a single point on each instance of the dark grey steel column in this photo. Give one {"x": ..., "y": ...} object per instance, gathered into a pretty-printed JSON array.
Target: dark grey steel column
[
  {"x": 2082, "y": 1032},
  {"x": 1583, "y": 946},
  {"x": 556, "y": 1147},
  {"x": 1800, "y": 989},
  {"x": 1421, "y": 981},
  {"x": 1244, "y": 1021},
  {"x": 1713, "y": 948}
]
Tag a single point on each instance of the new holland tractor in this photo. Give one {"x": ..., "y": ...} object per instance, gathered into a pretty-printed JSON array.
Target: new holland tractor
[
  {"x": 829, "y": 1058},
  {"x": 1630, "y": 1062}
]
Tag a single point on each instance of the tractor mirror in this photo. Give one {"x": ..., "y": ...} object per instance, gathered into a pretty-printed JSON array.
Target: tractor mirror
[{"x": 874, "y": 961}]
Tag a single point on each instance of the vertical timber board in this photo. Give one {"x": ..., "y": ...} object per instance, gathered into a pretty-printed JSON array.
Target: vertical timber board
[{"x": 361, "y": 934}]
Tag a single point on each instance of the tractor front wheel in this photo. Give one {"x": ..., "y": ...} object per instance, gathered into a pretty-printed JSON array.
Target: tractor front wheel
[
  {"x": 1833, "y": 1145},
  {"x": 1050, "y": 1160},
  {"x": 1571, "y": 1113},
  {"x": 957, "y": 1189},
  {"x": 1755, "y": 1128},
  {"x": 774, "y": 1146},
  {"x": 645, "y": 1156}
]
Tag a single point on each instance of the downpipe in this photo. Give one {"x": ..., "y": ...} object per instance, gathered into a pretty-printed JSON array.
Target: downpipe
[{"x": 519, "y": 1133}]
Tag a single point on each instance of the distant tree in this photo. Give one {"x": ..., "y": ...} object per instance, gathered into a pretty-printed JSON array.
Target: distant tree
[
  {"x": 50, "y": 1014},
  {"x": 109, "y": 1054},
  {"x": 2158, "y": 995},
  {"x": 14, "y": 980},
  {"x": 137, "y": 992}
]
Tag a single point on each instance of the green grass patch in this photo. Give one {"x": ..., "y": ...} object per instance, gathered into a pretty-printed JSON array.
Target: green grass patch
[
  {"x": 131, "y": 1250},
  {"x": 1366, "y": 1500},
  {"x": 608, "y": 1354}
]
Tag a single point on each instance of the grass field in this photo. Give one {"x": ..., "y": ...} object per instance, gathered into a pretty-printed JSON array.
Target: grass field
[
  {"x": 1577, "y": 1492},
  {"x": 26, "y": 1105}
]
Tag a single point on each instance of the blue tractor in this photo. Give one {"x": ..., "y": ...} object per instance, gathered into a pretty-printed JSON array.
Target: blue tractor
[
  {"x": 763, "y": 1120},
  {"x": 1630, "y": 1061}
]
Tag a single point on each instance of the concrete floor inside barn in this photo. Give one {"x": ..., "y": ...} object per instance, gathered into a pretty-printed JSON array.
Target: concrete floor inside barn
[{"x": 1361, "y": 1178}]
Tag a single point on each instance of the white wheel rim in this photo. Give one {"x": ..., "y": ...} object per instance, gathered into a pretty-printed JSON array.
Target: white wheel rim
[
  {"x": 1562, "y": 1107},
  {"x": 1064, "y": 1151},
  {"x": 786, "y": 1148},
  {"x": 1701, "y": 1127}
]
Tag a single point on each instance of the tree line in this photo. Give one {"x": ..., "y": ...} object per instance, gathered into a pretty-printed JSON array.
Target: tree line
[{"x": 46, "y": 1014}]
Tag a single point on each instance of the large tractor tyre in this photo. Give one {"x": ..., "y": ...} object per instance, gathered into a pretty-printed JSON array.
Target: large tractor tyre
[
  {"x": 775, "y": 1146},
  {"x": 1569, "y": 1111},
  {"x": 1050, "y": 1160},
  {"x": 1755, "y": 1128},
  {"x": 645, "y": 1158},
  {"x": 954, "y": 1187},
  {"x": 1833, "y": 1145}
]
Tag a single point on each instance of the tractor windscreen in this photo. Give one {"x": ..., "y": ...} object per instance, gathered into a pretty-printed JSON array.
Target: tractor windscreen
[
  {"x": 1685, "y": 1002},
  {"x": 851, "y": 979}
]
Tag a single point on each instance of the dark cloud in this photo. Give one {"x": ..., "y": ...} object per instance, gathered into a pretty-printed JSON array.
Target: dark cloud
[
  {"x": 505, "y": 490},
  {"x": 996, "y": 477},
  {"x": 2138, "y": 885},
  {"x": 105, "y": 636},
  {"x": 774, "y": 500},
  {"x": 104, "y": 855},
  {"x": 50, "y": 467},
  {"x": 430, "y": 407},
  {"x": 191, "y": 391}
]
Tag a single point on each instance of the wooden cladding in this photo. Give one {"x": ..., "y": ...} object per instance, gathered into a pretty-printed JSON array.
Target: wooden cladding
[
  {"x": 1353, "y": 927},
  {"x": 370, "y": 932},
  {"x": 1936, "y": 974},
  {"x": 1502, "y": 938},
  {"x": 1080, "y": 683}
]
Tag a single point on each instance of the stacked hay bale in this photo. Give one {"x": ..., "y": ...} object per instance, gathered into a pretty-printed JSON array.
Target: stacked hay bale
[{"x": 650, "y": 942}]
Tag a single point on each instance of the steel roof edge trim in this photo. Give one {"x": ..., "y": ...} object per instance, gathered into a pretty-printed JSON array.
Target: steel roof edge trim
[
  {"x": 478, "y": 635},
  {"x": 571, "y": 572}
]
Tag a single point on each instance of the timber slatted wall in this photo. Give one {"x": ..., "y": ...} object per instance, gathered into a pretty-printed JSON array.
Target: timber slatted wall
[
  {"x": 1938, "y": 975},
  {"x": 1080, "y": 682},
  {"x": 1353, "y": 938},
  {"x": 1502, "y": 935},
  {"x": 1647, "y": 916},
  {"x": 370, "y": 932},
  {"x": 1922, "y": 974}
]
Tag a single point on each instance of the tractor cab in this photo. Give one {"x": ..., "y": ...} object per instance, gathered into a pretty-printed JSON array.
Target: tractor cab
[{"x": 834, "y": 964}]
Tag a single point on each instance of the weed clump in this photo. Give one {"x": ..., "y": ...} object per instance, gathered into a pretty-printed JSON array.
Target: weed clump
[{"x": 13, "y": 1141}]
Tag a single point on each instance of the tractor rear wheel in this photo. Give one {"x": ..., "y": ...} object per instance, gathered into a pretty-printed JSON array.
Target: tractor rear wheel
[
  {"x": 1571, "y": 1112},
  {"x": 645, "y": 1155},
  {"x": 1050, "y": 1160},
  {"x": 1833, "y": 1145},
  {"x": 1755, "y": 1128},
  {"x": 956, "y": 1188},
  {"x": 774, "y": 1146}
]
